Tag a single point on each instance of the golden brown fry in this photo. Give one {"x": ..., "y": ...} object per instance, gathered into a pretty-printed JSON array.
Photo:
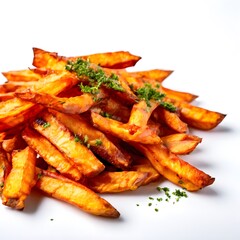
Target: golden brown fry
[
  {"x": 50, "y": 154},
  {"x": 174, "y": 168},
  {"x": 21, "y": 178},
  {"x": 64, "y": 140},
  {"x": 72, "y": 105},
  {"x": 142, "y": 164},
  {"x": 178, "y": 95},
  {"x": 126, "y": 132},
  {"x": 141, "y": 113},
  {"x": 116, "y": 60},
  {"x": 111, "y": 182},
  {"x": 171, "y": 119},
  {"x": 5, "y": 168},
  {"x": 74, "y": 193},
  {"x": 97, "y": 140},
  {"x": 154, "y": 74},
  {"x": 198, "y": 117},
  {"x": 181, "y": 147},
  {"x": 25, "y": 75},
  {"x": 15, "y": 111}
]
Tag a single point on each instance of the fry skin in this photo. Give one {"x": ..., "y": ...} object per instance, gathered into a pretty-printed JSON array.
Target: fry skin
[
  {"x": 20, "y": 180},
  {"x": 50, "y": 154},
  {"x": 120, "y": 59},
  {"x": 111, "y": 182},
  {"x": 125, "y": 131},
  {"x": 174, "y": 168},
  {"x": 98, "y": 141},
  {"x": 74, "y": 193},
  {"x": 64, "y": 140}
]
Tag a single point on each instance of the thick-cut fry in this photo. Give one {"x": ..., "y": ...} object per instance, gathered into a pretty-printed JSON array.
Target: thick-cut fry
[
  {"x": 116, "y": 60},
  {"x": 97, "y": 140},
  {"x": 20, "y": 180},
  {"x": 64, "y": 140},
  {"x": 50, "y": 154},
  {"x": 141, "y": 113},
  {"x": 5, "y": 168},
  {"x": 22, "y": 75},
  {"x": 198, "y": 117},
  {"x": 178, "y": 95},
  {"x": 174, "y": 168},
  {"x": 110, "y": 182},
  {"x": 125, "y": 131},
  {"x": 181, "y": 147},
  {"x": 16, "y": 111},
  {"x": 171, "y": 119},
  {"x": 155, "y": 74},
  {"x": 72, "y": 105},
  {"x": 74, "y": 193}
]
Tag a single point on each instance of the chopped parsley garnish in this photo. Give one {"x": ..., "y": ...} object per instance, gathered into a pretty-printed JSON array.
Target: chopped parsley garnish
[
  {"x": 148, "y": 93},
  {"x": 46, "y": 125},
  {"x": 178, "y": 193},
  {"x": 96, "y": 76},
  {"x": 76, "y": 138},
  {"x": 98, "y": 142}
]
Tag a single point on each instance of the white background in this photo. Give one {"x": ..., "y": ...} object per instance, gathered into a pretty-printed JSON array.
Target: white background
[{"x": 200, "y": 41}]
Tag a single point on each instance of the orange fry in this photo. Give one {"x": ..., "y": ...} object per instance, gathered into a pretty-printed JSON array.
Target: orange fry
[
  {"x": 65, "y": 141},
  {"x": 5, "y": 168},
  {"x": 74, "y": 193},
  {"x": 198, "y": 117},
  {"x": 111, "y": 182},
  {"x": 97, "y": 140},
  {"x": 125, "y": 131},
  {"x": 174, "y": 168},
  {"x": 50, "y": 154},
  {"x": 72, "y": 105},
  {"x": 116, "y": 60},
  {"x": 20, "y": 180}
]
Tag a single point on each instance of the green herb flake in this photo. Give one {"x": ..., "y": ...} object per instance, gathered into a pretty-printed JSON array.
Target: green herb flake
[
  {"x": 39, "y": 176},
  {"x": 76, "y": 138},
  {"x": 148, "y": 93},
  {"x": 96, "y": 76},
  {"x": 1, "y": 184},
  {"x": 179, "y": 194},
  {"x": 156, "y": 209},
  {"x": 149, "y": 204},
  {"x": 46, "y": 125},
  {"x": 98, "y": 142}
]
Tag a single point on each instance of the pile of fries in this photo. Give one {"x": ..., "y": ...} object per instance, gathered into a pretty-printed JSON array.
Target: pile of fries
[{"x": 74, "y": 144}]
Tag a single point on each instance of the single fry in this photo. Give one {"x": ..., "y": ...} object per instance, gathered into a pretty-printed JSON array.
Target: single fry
[
  {"x": 111, "y": 182},
  {"x": 64, "y": 140},
  {"x": 198, "y": 117},
  {"x": 72, "y": 105},
  {"x": 74, "y": 193},
  {"x": 171, "y": 119},
  {"x": 174, "y": 168},
  {"x": 21, "y": 179},
  {"x": 51, "y": 154},
  {"x": 5, "y": 168},
  {"x": 125, "y": 131},
  {"x": 121, "y": 59}
]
